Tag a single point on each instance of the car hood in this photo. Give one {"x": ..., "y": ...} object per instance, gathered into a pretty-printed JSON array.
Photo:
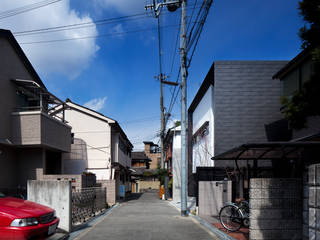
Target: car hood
[{"x": 20, "y": 208}]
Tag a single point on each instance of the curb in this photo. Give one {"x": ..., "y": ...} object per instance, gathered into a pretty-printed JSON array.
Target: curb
[
  {"x": 208, "y": 226},
  {"x": 90, "y": 223},
  {"x": 212, "y": 229},
  {"x": 58, "y": 236}
]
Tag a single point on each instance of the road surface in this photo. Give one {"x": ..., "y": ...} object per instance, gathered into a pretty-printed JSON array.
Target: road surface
[{"x": 146, "y": 218}]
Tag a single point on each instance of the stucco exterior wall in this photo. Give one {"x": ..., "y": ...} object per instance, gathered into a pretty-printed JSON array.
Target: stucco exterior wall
[
  {"x": 11, "y": 67},
  {"x": 96, "y": 135},
  {"x": 35, "y": 130},
  {"x": 203, "y": 148},
  {"x": 245, "y": 99},
  {"x": 176, "y": 166}
]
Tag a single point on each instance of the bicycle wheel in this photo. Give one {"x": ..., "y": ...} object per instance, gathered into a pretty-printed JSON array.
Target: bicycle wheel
[{"x": 230, "y": 218}]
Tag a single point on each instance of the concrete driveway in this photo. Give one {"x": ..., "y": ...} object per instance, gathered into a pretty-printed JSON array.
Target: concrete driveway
[{"x": 146, "y": 217}]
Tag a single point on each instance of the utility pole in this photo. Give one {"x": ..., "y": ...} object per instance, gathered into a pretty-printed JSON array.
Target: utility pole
[
  {"x": 184, "y": 74},
  {"x": 162, "y": 78},
  {"x": 172, "y": 5},
  {"x": 157, "y": 9}
]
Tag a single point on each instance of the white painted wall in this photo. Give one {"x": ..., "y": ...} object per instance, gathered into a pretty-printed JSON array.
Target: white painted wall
[
  {"x": 203, "y": 150},
  {"x": 176, "y": 165},
  {"x": 95, "y": 134}
]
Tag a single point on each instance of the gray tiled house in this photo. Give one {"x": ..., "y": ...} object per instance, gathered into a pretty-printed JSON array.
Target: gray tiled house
[
  {"x": 232, "y": 106},
  {"x": 29, "y": 137}
]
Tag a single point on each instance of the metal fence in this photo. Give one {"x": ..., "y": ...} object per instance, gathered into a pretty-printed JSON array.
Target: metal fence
[{"x": 86, "y": 203}]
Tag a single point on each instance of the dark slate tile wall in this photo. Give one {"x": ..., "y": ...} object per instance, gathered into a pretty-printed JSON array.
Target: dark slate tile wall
[{"x": 245, "y": 98}]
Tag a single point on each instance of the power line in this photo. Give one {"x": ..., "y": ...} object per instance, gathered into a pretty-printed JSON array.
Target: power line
[
  {"x": 26, "y": 8},
  {"x": 195, "y": 37},
  {"x": 80, "y": 25},
  {"x": 173, "y": 95},
  {"x": 193, "y": 40},
  {"x": 96, "y": 36},
  {"x": 136, "y": 16}
]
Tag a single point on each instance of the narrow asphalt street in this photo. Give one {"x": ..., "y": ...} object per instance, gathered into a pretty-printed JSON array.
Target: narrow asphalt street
[{"x": 146, "y": 217}]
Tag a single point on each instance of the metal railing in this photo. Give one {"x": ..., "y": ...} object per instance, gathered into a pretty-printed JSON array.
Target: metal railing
[{"x": 86, "y": 203}]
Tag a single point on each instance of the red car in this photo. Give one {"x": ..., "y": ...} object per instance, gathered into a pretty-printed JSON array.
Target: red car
[{"x": 22, "y": 219}]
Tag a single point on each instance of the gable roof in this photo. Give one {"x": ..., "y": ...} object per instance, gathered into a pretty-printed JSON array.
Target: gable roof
[
  {"x": 13, "y": 42},
  {"x": 140, "y": 156},
  {"x": 96, "y": 115},
  {"x": 88, "y": 111}
]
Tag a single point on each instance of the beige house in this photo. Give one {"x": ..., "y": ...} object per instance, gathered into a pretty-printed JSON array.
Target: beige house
[
  {"x": 29, "y": 137},
  {"x": 99, "y": 146}
]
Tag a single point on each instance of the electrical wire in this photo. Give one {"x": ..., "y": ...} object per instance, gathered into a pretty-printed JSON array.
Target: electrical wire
[
  {"x": 80, "y": 25},
  {"x": 193, "y": 38},
  {"x": 121, "y": 19},
  {"x": 96, "y": 36},
  {"x": 199, "y": 29},
  {"x": 27, "y": 8}
]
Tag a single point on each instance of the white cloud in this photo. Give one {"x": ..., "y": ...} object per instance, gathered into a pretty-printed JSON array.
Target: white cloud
[
  {"x": 137, "y": 134},
  {"x": 96, "y": 104},
  {"x": 123, "y": 6},
  {"x": 69, "y": 58}
]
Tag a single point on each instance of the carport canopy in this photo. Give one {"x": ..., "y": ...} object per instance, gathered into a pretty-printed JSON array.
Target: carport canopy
[{"x": 268, "y": 150}]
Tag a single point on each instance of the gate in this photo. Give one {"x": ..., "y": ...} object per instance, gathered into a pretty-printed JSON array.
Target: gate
[{"x": 86, "y": 203}]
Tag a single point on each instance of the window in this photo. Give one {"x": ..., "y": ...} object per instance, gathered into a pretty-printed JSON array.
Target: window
[{"x": 154, "y": 149}]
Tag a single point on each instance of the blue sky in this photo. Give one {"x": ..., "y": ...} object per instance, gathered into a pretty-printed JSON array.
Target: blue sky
[{"x": 115, "y": 74}]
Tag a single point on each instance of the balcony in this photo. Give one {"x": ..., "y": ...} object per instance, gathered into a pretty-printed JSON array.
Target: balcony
[{"x": 37, "y": 128}]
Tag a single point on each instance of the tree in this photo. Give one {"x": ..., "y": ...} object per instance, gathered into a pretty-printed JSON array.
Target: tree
[
  {"x": 310, "y": 33},
  {"x": 305, "y": 102},
  {"x": 177, "y": 123}
]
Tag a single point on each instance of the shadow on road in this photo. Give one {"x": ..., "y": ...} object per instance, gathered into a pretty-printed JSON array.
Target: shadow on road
[{"x": 131, "y": 197}]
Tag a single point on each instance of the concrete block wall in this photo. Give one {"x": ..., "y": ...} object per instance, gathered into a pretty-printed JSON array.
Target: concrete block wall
[
  {"x": 54, "y": 194},
  {"x": 110, "y": 186},
  {"x": 275, "y": 208},
  {"x": 305, "y": 206},
  {"x": 314, "y": 201},
  {"x": 77, "y": 181}
]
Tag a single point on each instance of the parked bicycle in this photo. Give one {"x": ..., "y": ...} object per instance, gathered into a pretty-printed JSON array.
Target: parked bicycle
[{"x": 234, "y": 215}]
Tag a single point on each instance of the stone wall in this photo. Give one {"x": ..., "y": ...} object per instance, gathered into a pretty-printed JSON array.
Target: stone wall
[
  {"x": 110, "y": 185},
  {"x": 314, "y": 201},
  {"x": 275, "y": 208}
]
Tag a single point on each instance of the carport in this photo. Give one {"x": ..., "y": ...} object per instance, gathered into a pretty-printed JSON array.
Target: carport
[{"x": 278, "y": 194}]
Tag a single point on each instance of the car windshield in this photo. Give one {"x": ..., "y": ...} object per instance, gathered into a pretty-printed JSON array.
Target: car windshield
[{"x": 2, "y": 195}]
